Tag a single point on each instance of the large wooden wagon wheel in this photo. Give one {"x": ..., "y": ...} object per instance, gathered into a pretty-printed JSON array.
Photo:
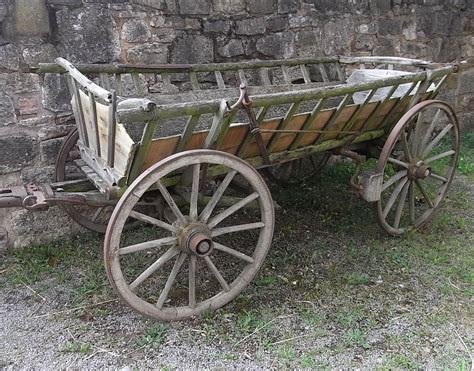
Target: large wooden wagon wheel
[
  {"x": 90, "y": 217},
  {"x": 207, "y": 249},
  {"x": 418, "y": 161},
  {"x": 295, "y": 171}
]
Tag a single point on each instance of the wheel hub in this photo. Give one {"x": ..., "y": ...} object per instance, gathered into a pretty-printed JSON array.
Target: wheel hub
[
  {"x": 418, "y": 171},
  {"x": 196, "y": 239}
]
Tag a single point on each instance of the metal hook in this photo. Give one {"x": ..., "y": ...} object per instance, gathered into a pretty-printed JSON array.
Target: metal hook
[{"x": 243, "y": 98}]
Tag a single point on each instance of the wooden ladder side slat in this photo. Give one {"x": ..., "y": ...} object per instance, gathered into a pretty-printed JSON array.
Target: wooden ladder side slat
[
  {"x": 217, "y": 126},
  {"x": 283, "y": 124},
  {"x": 340, "y": 73},
  {"x": 286, "y": 73},
  {"x": 111, "y": 129},
  {"x": 143, "y": 148},
  {"x": 305, "y": 73},
  {"x": 80, "y": 122},
  {"x": 323, "y": 72},
  {"x": 187, "y": 133},
  {"x": 138, "y": 85},
  {"x": 334, "y": 116},
  {"x": 264, "y": 78},
  {"x": 249, "y": 137},
  {"x": 95, "y": 125},
  {"x": 219, "y": 79},
  {"x": 242, "y": 78},
  {"x": 167, "y": 82},
  {"x": 104, "y": 80},
  {"x": 118, "y": 83},
  {"x": 379, "y": 106},
  {"x": 350, "y": 123},
  {"x": 309, "y": 120},
  {"x": 435, "y": 91},
  {"x": 194, "y": 81}
]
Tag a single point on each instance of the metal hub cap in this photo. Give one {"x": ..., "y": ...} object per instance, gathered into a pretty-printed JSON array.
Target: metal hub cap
[
  {"x": 419, "y": 171},
  {"x": 196, "y": 239}
]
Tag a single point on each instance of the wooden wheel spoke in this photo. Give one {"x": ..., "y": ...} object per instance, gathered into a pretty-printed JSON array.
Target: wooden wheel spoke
[
  {"x": 147, "y": 245},
  {"x": 406, "y": 149},
  {"x": 437, "y": 139},
  {"x": 438, "y": 177},
  {"x": 440, "y": 156},
  {"x": 150, "y": 220},
  {"x": 428, "y": 132},
  {"x": 217, "y": 274},
  {"x": 193, "y": 207},
  {"x": 393, "y": 197},
  {"x": 236, "y": 228},
  {"x": 169, "y": 254},
  {"x": 415, "y": 142},
  {"x": 233, "y": 252},
  {"x": 398, "y": 162},
  {"x": 395, "y": 178},
  {"x": 231, "y": 210},
  {"x": 411, "y": 202},
  {"x": 423, "y": 192},
  {"x": 97, "y": 213},
  {"x": 192, "y": 281},
  {"x": 206, "y": 213},
  {"x": 401, "y": 204},
  {"x": 171, "y": 278},
  {"x": 169, "y": 200}
]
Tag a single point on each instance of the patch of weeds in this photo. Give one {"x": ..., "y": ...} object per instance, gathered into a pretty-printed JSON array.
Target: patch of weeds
[
  {"x": 349, "y": 317},
  {"x": 402, "y": 361},
  {"x": 267, "y": 280},
  {"x": 76, "y": 347},
  {"x": 311, "y": 317},
  {"x": 231, "y": 357},
  {"x": 286, "y": 353},
  {"x": 357, "y": 279},
  {"x": 356, "y": 337},
  {"x": 154, "y": 336},
  {"x": 249, "y": 322},
  {"x": 307, "y": 361}
]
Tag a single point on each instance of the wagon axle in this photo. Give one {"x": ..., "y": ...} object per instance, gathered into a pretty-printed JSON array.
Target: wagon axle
[
  {"x": 196, "y": 239},
  {"x": 418, "y": 171}
]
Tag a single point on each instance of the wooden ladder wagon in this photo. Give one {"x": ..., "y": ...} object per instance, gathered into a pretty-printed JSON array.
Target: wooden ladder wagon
[{"x": 173, "y": 151}]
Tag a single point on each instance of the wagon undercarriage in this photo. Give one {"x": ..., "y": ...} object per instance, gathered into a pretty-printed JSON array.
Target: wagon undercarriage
[{"x": 184, "y": 165}]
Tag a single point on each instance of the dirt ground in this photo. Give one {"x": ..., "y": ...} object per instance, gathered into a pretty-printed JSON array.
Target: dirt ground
[{"x": 334, "y": 292}]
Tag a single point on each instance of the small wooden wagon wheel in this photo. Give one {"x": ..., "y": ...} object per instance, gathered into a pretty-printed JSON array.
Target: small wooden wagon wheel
[
  {"x": 208, "y": 248},
  {"x": 418, "y": 161},
  {"x": 90, "y": 217},
  {"x": 297, "y": 170}
]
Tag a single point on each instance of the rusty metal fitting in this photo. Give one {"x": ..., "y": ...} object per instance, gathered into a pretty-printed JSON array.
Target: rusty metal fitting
[{"x": 196, "y": 239}]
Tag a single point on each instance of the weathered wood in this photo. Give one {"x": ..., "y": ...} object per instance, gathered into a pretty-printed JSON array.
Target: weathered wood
[
  {"x": 286, "y": 74},
  {"x": 264, "y": 78},
  {"x": 323, "y": 72},
  {"x": 167, "y": 82},
  {"x": 219, "y": 79},
  {"x": 335, "y": 115},
  {"x": 249, "y": 136},
  {"x": 242, "y": 78},
  {"x": 118, "y": 83},
  {"x": 304, "y": 72},
  {"x": 309, "y": 120},
  {"x": 111, "y": 130},
  {"x": 194, "y": 81},
  {"x": 79, "y": 113},
  {"x": 143, "y": 149},
  {"x": 104, "y": 80},
  {"x": 284, "y": 123},
  {"x": 95, "y": 125},
  {"x": 187, "y": 133}
]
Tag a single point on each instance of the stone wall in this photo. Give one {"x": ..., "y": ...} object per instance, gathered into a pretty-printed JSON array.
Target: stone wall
[{"x": 34, "y": 109}]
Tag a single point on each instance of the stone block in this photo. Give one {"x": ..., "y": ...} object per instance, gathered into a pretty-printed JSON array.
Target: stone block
[
  {"x": 260, "y": 6},
  {"x": 276, "y": 23},
  {"x": 49, "y": 150},
  {"x": 308, "y": 43},
  {"x": 87, "y": 34},
  {"x": 337, "y": 36},
  {"x": 9, "y": 57},
  {"x": 30, "y": 18},
  {"x": 20, "y": 83},
  {"x": 300, "y": 21},
  {"x": 42, "y": 53},
  {"x": 466, "y": 83},
  {"x": 385, "y": 46},
  {"x": 229, "y": 6},
  {"x": 3, "y": 11},
  {"x": 148, "y": 54},
  {"x": 28, "y": 105},
  {"x": 16, "y": 151},
  {"x": 3, "y": 241},
  {"x": 367, "y": 28},
  {"x": 164, "y": 35},
  {"x": 250, "y": 26},
  {"x": 7, "y": 110},
  {"x": 135, "y": 31},
  {"x": 55, "y": 93},
  {"x": 192, "y": 49},
  {"x": 277, "y": 45},
  {"x": 389, "y": 27},
  {"x": 36, "y": 175},
  {"x": 365, "y": 42},
  {"x": 221, "y": 26},
  {"x": 194, "y": 6},
  {"x": 155, "y": 4},
  {"x": 287, "y": 6},
  {"x": 232, "y": 49}
]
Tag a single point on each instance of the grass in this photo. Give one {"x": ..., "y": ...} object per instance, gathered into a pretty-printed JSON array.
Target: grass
[{"x": 332, "y": 280}]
